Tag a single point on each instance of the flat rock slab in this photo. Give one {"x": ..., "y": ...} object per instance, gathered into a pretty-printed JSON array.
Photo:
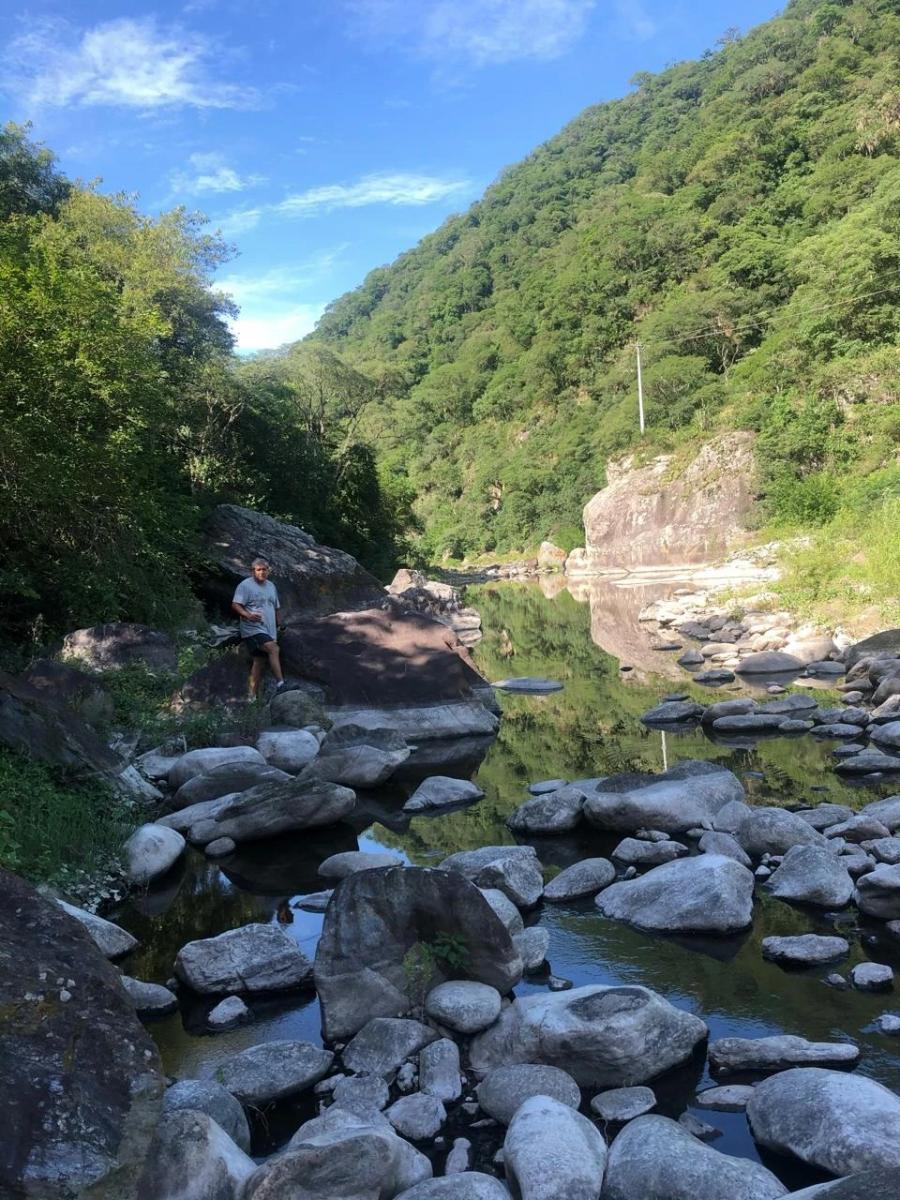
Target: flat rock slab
[
  {"x": 623, "y": 1104},
  {"x": 442, "y": 791},
  {"x": 529, "y": 683},
  {"x": 383, "y": 1044},
  {"x": 504, "y": 1090},
  {"x": 546, "y": 785},
  {"x": 252, "y": 958},
  {"x": 672, "y": 711},
  {"x": 273, "y": 1070},
  {"x": 585, "y": 878},
  {"x": 729, "y": 1055},
  {"x": 805, "y": 950}
]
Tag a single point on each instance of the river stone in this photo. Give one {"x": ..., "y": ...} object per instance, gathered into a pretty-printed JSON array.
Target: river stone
[
  {"x": 805, "y": 950},
  {"x": 439, "y": 1070},
  {"x": 504, "y": 1090},
  {"x": 878, "y": 893},
  {"x": 465, "y": 1185},
  {"x": 442, "y": 791},
  {"x": 298, "y": 706},
  {"x": 794, "y": 726},
  {"x": 532, "y": 944},
  {"x": 623, "y": 1104},
  {"x": 361, "y": 757},
  {"x": 697, "y": 1128},
  {"x": 552, "y": 1151},
  {"x": 384, "y": 1043},
  {"x": 671, "y": 711},
  {"x": 716, "y": 675},
  {"x": 641, "y": 853},
  {"x": 865, "y": 1185},
  {"x": 303, "y": 802},
  {"x": 110, "y": 939},
  {"x": 581, "y": 879},
  {"x": 769, "y": 662},
  {"x": 203, "y": 1095},
  {"x": 755, "y": 722},
  {"x": 714, "y": 842},
  {"x": 812, "y": 875},
  {"x": 150, "y": 851},
  {"x": 886, "y": 811},
  {"x": 417, "y": 1117},
  {"x": 528, "y": 683},
  {"x": 340, "y": 1154},
  {"x": 224, "y": 779},
  {"x": 728, "y": 708},
  {"x": 149, "y": 999},
  {"x": 252, "y": 958},
  {"x": 273, "y": 1070},
  {"x": 730, "y": 817},
  {"x": 775, "y": 831},
  {"x": 553, "y": 812},
  {"x": 838, "y": 1122},
  {"x": 685, "y": 797},
  {"x": 824, "y": 815},
  {"x": 603, "y": 1036},
  {"x": 654, "y": 1158},
  {"x": 201, "y": 762},
  {"x": 339, "y": 866},
  {"x": 867, "y": 762},
  {"x": 373, "y": 920},
  {"x": 193, "y": 1158},
  {"x": 463, "y": 1006},
  {"x": 690, "y": 658},
  {"x": 861, "y": 828},
  {"x": 288, "y": 749},
  {"x": 884, "y": 850},
  {"x": 515, "y": 870},
  {"x": 543, "y": 786},
  {"x": 229, "y": 1012},
  {"x": 733, "y": 1054},
  {"x": 361, "y": 1094},
  {"x": 872, "y": 977},
  {"x": 731, "y": 1097},
  {"x": 691, "y": 895},
  {"x": 507, "y": 913}
]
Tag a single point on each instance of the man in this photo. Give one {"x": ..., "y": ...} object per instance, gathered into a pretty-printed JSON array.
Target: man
[{"x": 256, "y": 603}]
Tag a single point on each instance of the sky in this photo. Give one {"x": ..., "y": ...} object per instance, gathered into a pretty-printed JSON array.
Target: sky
[{"x": 324, "y": 137}]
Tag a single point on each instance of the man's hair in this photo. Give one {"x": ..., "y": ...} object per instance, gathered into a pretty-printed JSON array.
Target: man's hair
[{"x": 260, "y": 562}]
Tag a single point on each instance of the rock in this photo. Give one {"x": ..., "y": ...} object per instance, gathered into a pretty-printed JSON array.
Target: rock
[
  {"x": 361, "y": 1094},
  {"x": 812, "y": 875},
  {"x": 835, "y": 731},
  {"x": 769, "y": 662},
  {"x": 229, "y": 1012},
  {"x": 251, "y": 958},
  {"x": 298, "y": 706},
  {"x": 878, "y": 893},
  {"x": 623, "y": 1104},
  {"x": 864, "y": 1185},
  {"x": 602, "y": 1036},
  {"x": 715, "y": 676},
  {"x": 713, "y": 842},
  {"x": 149, "y": 999},
  {"x": 840, "y": 1123},
  {"x": 220, "y": 848},
  {"x": 439, "y": 1070},
  {"x": 654, "y": 1158},
  {"x": 686, "y": 796},
  {"x": 824, "y": 815},
  {"x": 202, "y": 762},
  {"x": 733, "y": 1097},
  {"x": 372, "y": 921},
  {"x": 73, "y": 687},
  {"x": 642, "y": 853},
  {"x": 203, "y": 1095},
  {"x": 886, "y": 644},
  {"x": 805, "y": 950},
  {"x": 584, "y": 878},
  {"x": 151, "y": 851},
  {"x": 109, "y": 938},
  {"x": 754, "y": 722},
  {"x": 348, "y": 862},
  {"x": 360, "y": 757},
  {"x": 729, "y": 1055},
  {"x": 731, "y": 816},
  {"x": 514, "y": 870},
  {"x": 442, "y": 791},
  {"x": 469, "y": 1185},
  {"x": 273, "y": 1070},
  {"x": 728, "y": 708},
  {"x": 887, "y": 735},
  {"x": 81, "y": 1084},
  {"x": 304, "y": 802},
  {"x": 553, "y": 812},
  {"x": 861, "y": 828},
  {"x": 120, "y": 644},
  {"x": 528, "y": 683},
  {"x": 886, "y": 811},
  {"x": 289, "y": 750},
  {"x": 884, "y": 850},
  {"x": 546, "y": 785},
  {"x": 417, "y": 1117},
  {"x": 698, "y": 1129},
  {"x": 459, "y": 1157},
  {"x": 888, "y": 1023},
  {"x": 775, "y": 831},
  {"x": 792, "y": 726},
  {"x": 507, "y": 913},
  {"x": 423, "y": 722},
  {"x": 691, "y": 895},
  {"x": 690, "y": 658},
  {"x": 224, "y": 779},
  {"x": 532, "y": 944},
  {"x": 867, "y": 762},
  {"x": 193, "y": 1158},
  {"x": 463, "y": 1006},
  {"x": 384, "y": 1043},
  {"x": 812, "y": 649},
  {"x": 552, "y": 1151},
  {"x": 505, "y": 1089},
  {"x": 872, "y": 977}
]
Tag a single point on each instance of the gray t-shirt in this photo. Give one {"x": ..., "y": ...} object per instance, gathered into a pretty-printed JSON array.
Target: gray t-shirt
[{"x": 261, "y": 598}]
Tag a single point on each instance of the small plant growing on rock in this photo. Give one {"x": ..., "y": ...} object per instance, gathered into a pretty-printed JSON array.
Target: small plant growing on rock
[{"x": 445, "y": 953}]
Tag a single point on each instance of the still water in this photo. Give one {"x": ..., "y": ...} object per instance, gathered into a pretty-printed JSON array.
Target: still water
[{"x": 591, "y": 727}]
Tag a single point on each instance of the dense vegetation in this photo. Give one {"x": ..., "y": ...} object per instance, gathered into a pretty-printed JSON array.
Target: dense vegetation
[
  {"x": 739, "y": 215},
  {"x": 124, "y": 416}
]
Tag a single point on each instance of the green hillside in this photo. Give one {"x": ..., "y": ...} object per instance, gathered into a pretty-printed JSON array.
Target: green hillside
[{"x": 740, "y": 215}]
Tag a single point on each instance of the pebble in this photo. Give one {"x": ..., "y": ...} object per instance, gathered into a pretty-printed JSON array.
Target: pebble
[
  {"x": 229, "y": 1012},
  {"x": 557, "y": 984},
  {"x": 836, "y": 980}
]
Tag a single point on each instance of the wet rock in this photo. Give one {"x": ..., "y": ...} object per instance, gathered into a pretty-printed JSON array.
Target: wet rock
[
  {"x": 706, "y": 893},
  {"x": 463, "y": 1006},
  {"x": 417, "y": 1117},
  {"x": 273, "y": 1070},
  {"x": 469, "y": 1185},
  {"x": 838, "y": 1122},
  {"x": 151, "y": 851},
  {"x": 304, "y": 802},
  {"x": 623, "y": 1104},
  {"x": 515, "y": 870},
  {"x": 110, "y": 939},
  {"x": 732, "y": 1097},
  {"x": 686, "y": 796},
  {"x": 547, "y": 813},
  {"x": 384, "y": 1043},
  {"x": 551, "y": 1151},
  {"x": 252, "y": 958},
  {"x": 504, "y": 1090},
  {"x": 585, "y": 878},
  {"x": 602, "y": 1036},
  {"x": 671, "y": 711},
  {"x": 729, "y": 1055},
  {"x": 149, "y": 999},
  {"x": 878, "y": 893},
  {"x": 193, "y": 1158},
  {"x": 205, "y": 1096},
  {"x": 339, "y": 866},
  {"x": 229, "y": 1012},
  {"x": 805, "y": 950},
  {"x": 872, "y": 977},
  {"x": 713, "y": 842},
  {"x": 775, "y": 831},
  {"x": 641, "y": 853},
  {"x": 439, "y": 1070},
  {"x": 812, "y": 875}
]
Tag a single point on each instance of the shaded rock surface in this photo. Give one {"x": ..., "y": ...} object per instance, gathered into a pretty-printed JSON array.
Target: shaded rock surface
[
  {"x": 193, "y": 1158},
  {"x": 581, "y": 879},
  {"x": 384, "y": 1043},
  {"x": 812, "y": 875},
  {"x": 206, "y": 1096},
  {"x": 251, "y": 958},
  {"x": 121, "y": 644},
  {"x": 776, "y": 1053}
]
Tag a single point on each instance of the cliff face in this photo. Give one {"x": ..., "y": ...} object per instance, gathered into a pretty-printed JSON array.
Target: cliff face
[{"x": 658, "y": 515}]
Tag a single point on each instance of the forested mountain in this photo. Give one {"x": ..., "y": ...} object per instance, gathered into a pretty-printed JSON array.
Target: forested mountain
[{"x": 739, "y": 215}]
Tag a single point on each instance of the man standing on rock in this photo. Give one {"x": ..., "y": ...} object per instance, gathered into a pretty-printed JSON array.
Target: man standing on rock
[{"x": 256, "y": 603}]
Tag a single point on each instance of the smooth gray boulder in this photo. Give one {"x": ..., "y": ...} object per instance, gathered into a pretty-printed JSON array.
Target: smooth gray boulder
[
  {"x": 729, "y": 1055},
  {"x": 442, "y": 791},
  {"x": 223, "y": 780},
  {"x": 359, "y": 757},
  {"x": 373, "y": 921},
  {"x": 838, "y": 1122},
  {"x": 714, "y": 842},
  {"x": 878, "y": 1184},
  {"x": 149, "y": 999},
  {"x": 634, "y": 852},
  {"x": 109, "y": 938},
  {"x": 552, "y": 1151},
  {"x": 361, "y": 1093},
  {"x": 805, "y": 949},
  {"x": 654, "y": 1158},
  {"x": 504, "y": 1090},
  {"x": 348, "y": 862},
  {"x": 729, "y": 1097},
  {"x": 884, "y": 850},
  {"x": 464, "y": 1185},
  {"x": 549, "y": 812},
  {"x": 730, "y": 817},
  {"x": 201, "y": 762},
  {"x": 463, "y": 1005},
  {"x": 206, "y": 1096},
  {"x": 812, "y": 875},
  {"x": 252, "y": 958},
  {"x": 602, "y": 1036},
  {"x": 886, "y": 811},
  {"x": 685, "y": 797},
  {"x": 775, "y": 831},
  {"x": 868, "y": 761},
  {"x": 514, "y": 870},
  {"x": 824, "y": 815},
  {"x": 878, "y": 893},
  {"x": 193, "y": 1158},
  {"x": 728, "y": 708},
  {"x": 887, "y": 735},
  {"x": 707, "y": 893},
  {"x": 384, "y": 1043},
  {"x": 273, "y": 1070},
  {"x": 304, "y": 802},
  {"x": 288, "y": 749},
  {"x": 623, "y": 1104},
  {"x": 769, "y": 662},
  {"x": 417, "y": 1117},
  {"x": 750, "y": 723},
  {"x": 532, "y": 943},
  {"x": 439, "y": 1070},
  {"x": 863, "y": 827},
  {"x": 584, "y": 878},
  {"x": 872, "y": 977},
  {"x": 672, "y": 711},
  {"x": 507, "y": 912},
  {"x": 227, "y": 1013},
  {"x": 151, "y": 851}
]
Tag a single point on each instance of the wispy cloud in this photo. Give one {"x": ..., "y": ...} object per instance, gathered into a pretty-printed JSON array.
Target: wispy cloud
[
  {"x": 479, "y": 33},
  {"x": 211, "y": 173},
  {"x": 274, "y": 304},
  {"x": 269, "y": 330},
  {"x": 635, "y": 19},
  {"x": 383, "y": 188},
  {"x": 129, "y": 63}
]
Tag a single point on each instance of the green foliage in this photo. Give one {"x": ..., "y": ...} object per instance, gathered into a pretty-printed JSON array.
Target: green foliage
[{"x": 445, "y": 954}]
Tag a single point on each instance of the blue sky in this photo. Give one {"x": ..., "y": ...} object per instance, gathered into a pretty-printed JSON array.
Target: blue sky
[{"x": 323, "y": 137}]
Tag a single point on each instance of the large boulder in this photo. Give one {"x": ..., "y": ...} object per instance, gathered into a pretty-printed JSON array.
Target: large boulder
[
  {"x": 513, "y": 870},
  {"x": 812, "y": 875},
  {"x": 461, "y": 1185},
  {"x": 776, "y": 1053},
  {"x": 584, "y": 878},
  {"x": 193, "y": 1158},
  {"x": 210, "y": 758},
  {"x": 304, "y": 802},
  {"x": 602, "y": 1036},
  {"x": 769, "y": 662},
  {"x": 550, "y": 812},
  {"x": 838, "y": 1122},
  {"x": 880, "y": 645},
  {"x": 360, "y": 757},
  {"x": 273, "y": 1070},
  {"x": 552, "y": 1151},
  {"x": 151, "y": 851},
  {"x": 207, "y": 1096},
  {"x": 223, "y": 780},
  {"x": 686, "y": 797},
  {"x": 110, "y": 939},
  {"x": 384, "y": 1044},
  {"x": 79, "y": 690},
  {"x": 430, "y": 723},
  {"x": 377, "y": 917},
  {"x": 463, "y": 1005},
  {"x": 654, "y": 1158},
  {"x": 81, "y": 1084},
  {"x": 120, "y": 644},
  {"x": 288, "y": 749},
  {"x": 878, "y": 893},
  {"x": 707, "y": 893},
  {"x": 775, "y": 831},
  {"x": 252, "y": 958},
  {"x": 442, "y": 791}
]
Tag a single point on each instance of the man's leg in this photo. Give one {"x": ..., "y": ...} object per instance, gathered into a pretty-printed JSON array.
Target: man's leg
[
  {"x": 271, "y": 649},
  {"x": 256, "y": 671}
]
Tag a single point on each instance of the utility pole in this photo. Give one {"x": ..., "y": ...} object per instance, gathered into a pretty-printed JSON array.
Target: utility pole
[{"x": 637, "y": 347}]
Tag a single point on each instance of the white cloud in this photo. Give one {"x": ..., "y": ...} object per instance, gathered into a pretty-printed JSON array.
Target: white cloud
[
  {"x": 240, "y": 220},
  {"x": 273, "y": 305},
  {"x": 127, "y": 62},
  {"x": 211, "y": 173},
  {"x": 267, "y": 330},
  {"x": 478, "y": 32},
  {"x": 400, "y": 188},
  {"x": 636, "y": 20}
]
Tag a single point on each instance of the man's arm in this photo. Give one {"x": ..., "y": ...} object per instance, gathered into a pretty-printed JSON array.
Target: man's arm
[{"x": 246, "y": 613}]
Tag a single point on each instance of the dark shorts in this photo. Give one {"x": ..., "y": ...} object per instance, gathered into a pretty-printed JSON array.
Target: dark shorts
[{"x": 256, "y": 642}]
